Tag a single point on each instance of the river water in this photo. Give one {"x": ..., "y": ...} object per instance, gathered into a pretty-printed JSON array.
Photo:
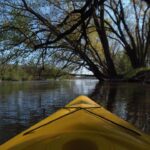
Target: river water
[{"x": 22, "y": 104}]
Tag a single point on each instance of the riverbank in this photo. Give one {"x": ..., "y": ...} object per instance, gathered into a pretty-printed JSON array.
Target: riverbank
[{"x": 139, "y": 75}]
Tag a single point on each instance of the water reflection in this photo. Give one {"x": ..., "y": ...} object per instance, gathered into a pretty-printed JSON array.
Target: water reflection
[
  {"x": 25, "y": 103},
  {"x": 129, "y": 101}
]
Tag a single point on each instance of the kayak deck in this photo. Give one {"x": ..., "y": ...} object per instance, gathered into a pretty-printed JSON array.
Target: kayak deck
[{"x": 82, "y": 124}]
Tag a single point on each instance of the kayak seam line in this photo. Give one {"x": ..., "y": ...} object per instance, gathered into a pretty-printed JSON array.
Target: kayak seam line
[
  {"x": 28, "y": 132},
  {"x": 68, "y": 107},
  {"x": 113, "y": 122},
  {"x": 77, "y": 109}
]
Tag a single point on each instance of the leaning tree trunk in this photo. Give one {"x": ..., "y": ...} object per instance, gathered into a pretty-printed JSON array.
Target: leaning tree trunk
[{"x": 100, "y": 27}]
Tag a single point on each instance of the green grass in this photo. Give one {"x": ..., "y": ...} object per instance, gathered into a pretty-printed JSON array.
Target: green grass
[{"x": 134, "y": 72}]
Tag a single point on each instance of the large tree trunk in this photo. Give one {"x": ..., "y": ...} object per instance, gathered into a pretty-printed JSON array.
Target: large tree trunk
[
  {"x": 136, "y": 62},
  {"x": 100, "y": 27}
]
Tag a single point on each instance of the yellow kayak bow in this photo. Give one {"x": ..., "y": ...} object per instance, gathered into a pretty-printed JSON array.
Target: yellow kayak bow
[{"x": 80, "y": 125}]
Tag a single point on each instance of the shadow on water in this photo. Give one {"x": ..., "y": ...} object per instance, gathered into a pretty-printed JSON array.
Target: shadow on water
[
  {"x": 22, "y": 104},
  {"x": 129, "y": 101}
]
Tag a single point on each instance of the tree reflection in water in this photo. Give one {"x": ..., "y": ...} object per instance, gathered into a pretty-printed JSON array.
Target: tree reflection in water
[{"x": 129, "y": 101}]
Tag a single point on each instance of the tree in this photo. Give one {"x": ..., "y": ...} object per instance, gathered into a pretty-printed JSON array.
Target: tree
[
  {"x": 134, "y": 36},
  {"x": 59, "y": 31}
]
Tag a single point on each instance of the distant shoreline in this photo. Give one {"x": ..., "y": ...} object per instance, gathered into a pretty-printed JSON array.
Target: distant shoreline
[{"x": 141, "y": 76}]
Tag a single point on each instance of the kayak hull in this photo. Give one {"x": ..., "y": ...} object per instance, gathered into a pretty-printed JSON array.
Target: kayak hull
[{"x": 82, "y": 124}]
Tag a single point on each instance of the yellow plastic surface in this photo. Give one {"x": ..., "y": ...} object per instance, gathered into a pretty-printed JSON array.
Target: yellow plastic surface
[{"x": 81, "y": 125}]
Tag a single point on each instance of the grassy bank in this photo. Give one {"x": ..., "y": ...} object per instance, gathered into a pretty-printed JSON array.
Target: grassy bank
[
  {"x": 24, "y": 73},
  {"x": 140, "y": 74}
]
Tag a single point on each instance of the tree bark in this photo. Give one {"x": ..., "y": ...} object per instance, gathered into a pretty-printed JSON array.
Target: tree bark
[{"x": 100, "y": 27}]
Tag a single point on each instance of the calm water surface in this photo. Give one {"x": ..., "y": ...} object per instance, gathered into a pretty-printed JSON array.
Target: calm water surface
[{"x": 22, "y": 104}]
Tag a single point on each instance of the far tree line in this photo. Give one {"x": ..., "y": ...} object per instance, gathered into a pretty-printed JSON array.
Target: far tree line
[{"x": 30, "y": 71}]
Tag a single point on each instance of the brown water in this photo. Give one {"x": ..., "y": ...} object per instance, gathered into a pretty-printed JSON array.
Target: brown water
[{"x": 22, "y": 104}]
